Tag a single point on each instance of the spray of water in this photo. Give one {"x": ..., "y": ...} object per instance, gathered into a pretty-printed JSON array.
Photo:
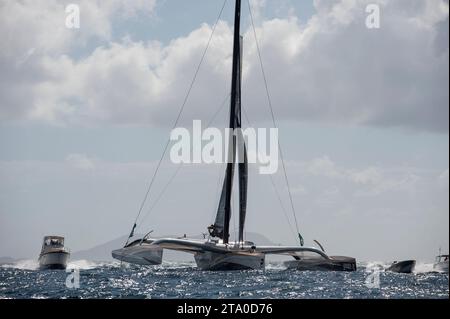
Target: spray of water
[
  {"x": 32, "y": 264},
  {"x": 28, "y": 264},
  {"x": 423, "y": 268}
]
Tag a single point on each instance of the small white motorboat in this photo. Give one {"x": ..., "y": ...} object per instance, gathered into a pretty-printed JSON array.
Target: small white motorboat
[{"x": 53, "y": 253}]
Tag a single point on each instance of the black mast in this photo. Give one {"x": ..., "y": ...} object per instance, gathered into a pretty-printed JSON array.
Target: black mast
[
  {"x": 221, "y": 227},
  {"x": 235, "y": 99},
  {"x": 242, "y": 152}
]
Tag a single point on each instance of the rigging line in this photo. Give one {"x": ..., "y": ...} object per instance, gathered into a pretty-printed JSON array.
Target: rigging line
[
  {"x": 217, "y": 194},
  {"x": 219, "y": 110},
  {"x": 273, "y": 118},
  {"x": 180, "y": 113},
  {"x": 179, "y": 167},
  {"x": 275, "y": 187},
  {"x": 161, "y": 194},
  {"x": 233, "y": 215}
]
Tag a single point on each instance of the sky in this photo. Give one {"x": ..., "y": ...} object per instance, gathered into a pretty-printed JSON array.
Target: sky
[{"x": 363, "y": 117}]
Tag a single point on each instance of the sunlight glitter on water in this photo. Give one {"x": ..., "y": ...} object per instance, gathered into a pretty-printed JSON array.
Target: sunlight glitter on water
[{"x": 183, "y": 280}]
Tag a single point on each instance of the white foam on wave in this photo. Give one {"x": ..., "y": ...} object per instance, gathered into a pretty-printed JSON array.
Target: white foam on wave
[
  {"x": 375, "y": 265},
  {"x": 26, "y": 264},
  {"x": 84, "y": 264},
  {"x": 33, "y": 264},
  {"x": 420, "y": 267},
  {"x": 423, "y": 268},
  {"x": 275, "y": 266},
  {"x": 177, "y": 264}
]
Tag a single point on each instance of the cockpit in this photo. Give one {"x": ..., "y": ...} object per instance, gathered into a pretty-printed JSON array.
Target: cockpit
[
  {"x": 139, "y": 242},
  {"x": 54, "y": 242}
]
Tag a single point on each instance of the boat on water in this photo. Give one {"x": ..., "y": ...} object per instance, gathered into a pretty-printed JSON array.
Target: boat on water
[
  {"x": 140, "y": 252},
  {"x": 316, "y": 262},
  {"x": 403, "y": 267},
  {"x": 217, "y": 252},
  {"x": 53, "y": 253},
  {"x": 320, "y": 261},
  {"x": 441, "y": 264}
]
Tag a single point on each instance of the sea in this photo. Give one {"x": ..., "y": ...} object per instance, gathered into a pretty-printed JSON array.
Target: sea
[{"x": 172, "y": 280}]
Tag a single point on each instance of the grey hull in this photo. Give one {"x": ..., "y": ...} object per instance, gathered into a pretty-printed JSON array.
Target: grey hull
[
  {"x": 335, "y": 263},
  {"x": 53, "y": 260},
  {"x": 402, "y": 267},
  {"x": 145, "y": 254},
  {"x": 230, "y": 261}
]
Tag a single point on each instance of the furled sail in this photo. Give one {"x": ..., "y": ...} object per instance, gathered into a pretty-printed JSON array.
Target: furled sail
[
  {"x": 242, "y": 151},
  {"x": 243, "y": 184},
  {"x": 217, "y": 230},
  {"x": 221, "y": 227}
]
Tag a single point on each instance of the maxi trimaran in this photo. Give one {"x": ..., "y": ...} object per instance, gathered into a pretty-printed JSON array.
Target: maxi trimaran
[{"x": 217, "y": 252}]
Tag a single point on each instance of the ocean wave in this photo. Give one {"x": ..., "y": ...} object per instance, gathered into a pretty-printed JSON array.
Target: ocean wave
[
  {"x": 26, "y": 264},
  {"x": 422, "y": 268},
  {"x": 84, "y": 264},
  {"x": 375, "y": 265},
  {"x": 33, "y": 264},
  {"x": 184, "y": 280}
]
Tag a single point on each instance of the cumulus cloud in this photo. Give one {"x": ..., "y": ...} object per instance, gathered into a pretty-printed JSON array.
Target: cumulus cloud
[
  {"x": 330, "y": 68},
  {"x": 40, "y": 24},
  {"x": 80, "y": 161},
  {"x": 371, "y": 175},
  {"x": 324, "y": 166},
  {"x": 369, "y": 181},
  {"x": 35, "y": 53}
]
